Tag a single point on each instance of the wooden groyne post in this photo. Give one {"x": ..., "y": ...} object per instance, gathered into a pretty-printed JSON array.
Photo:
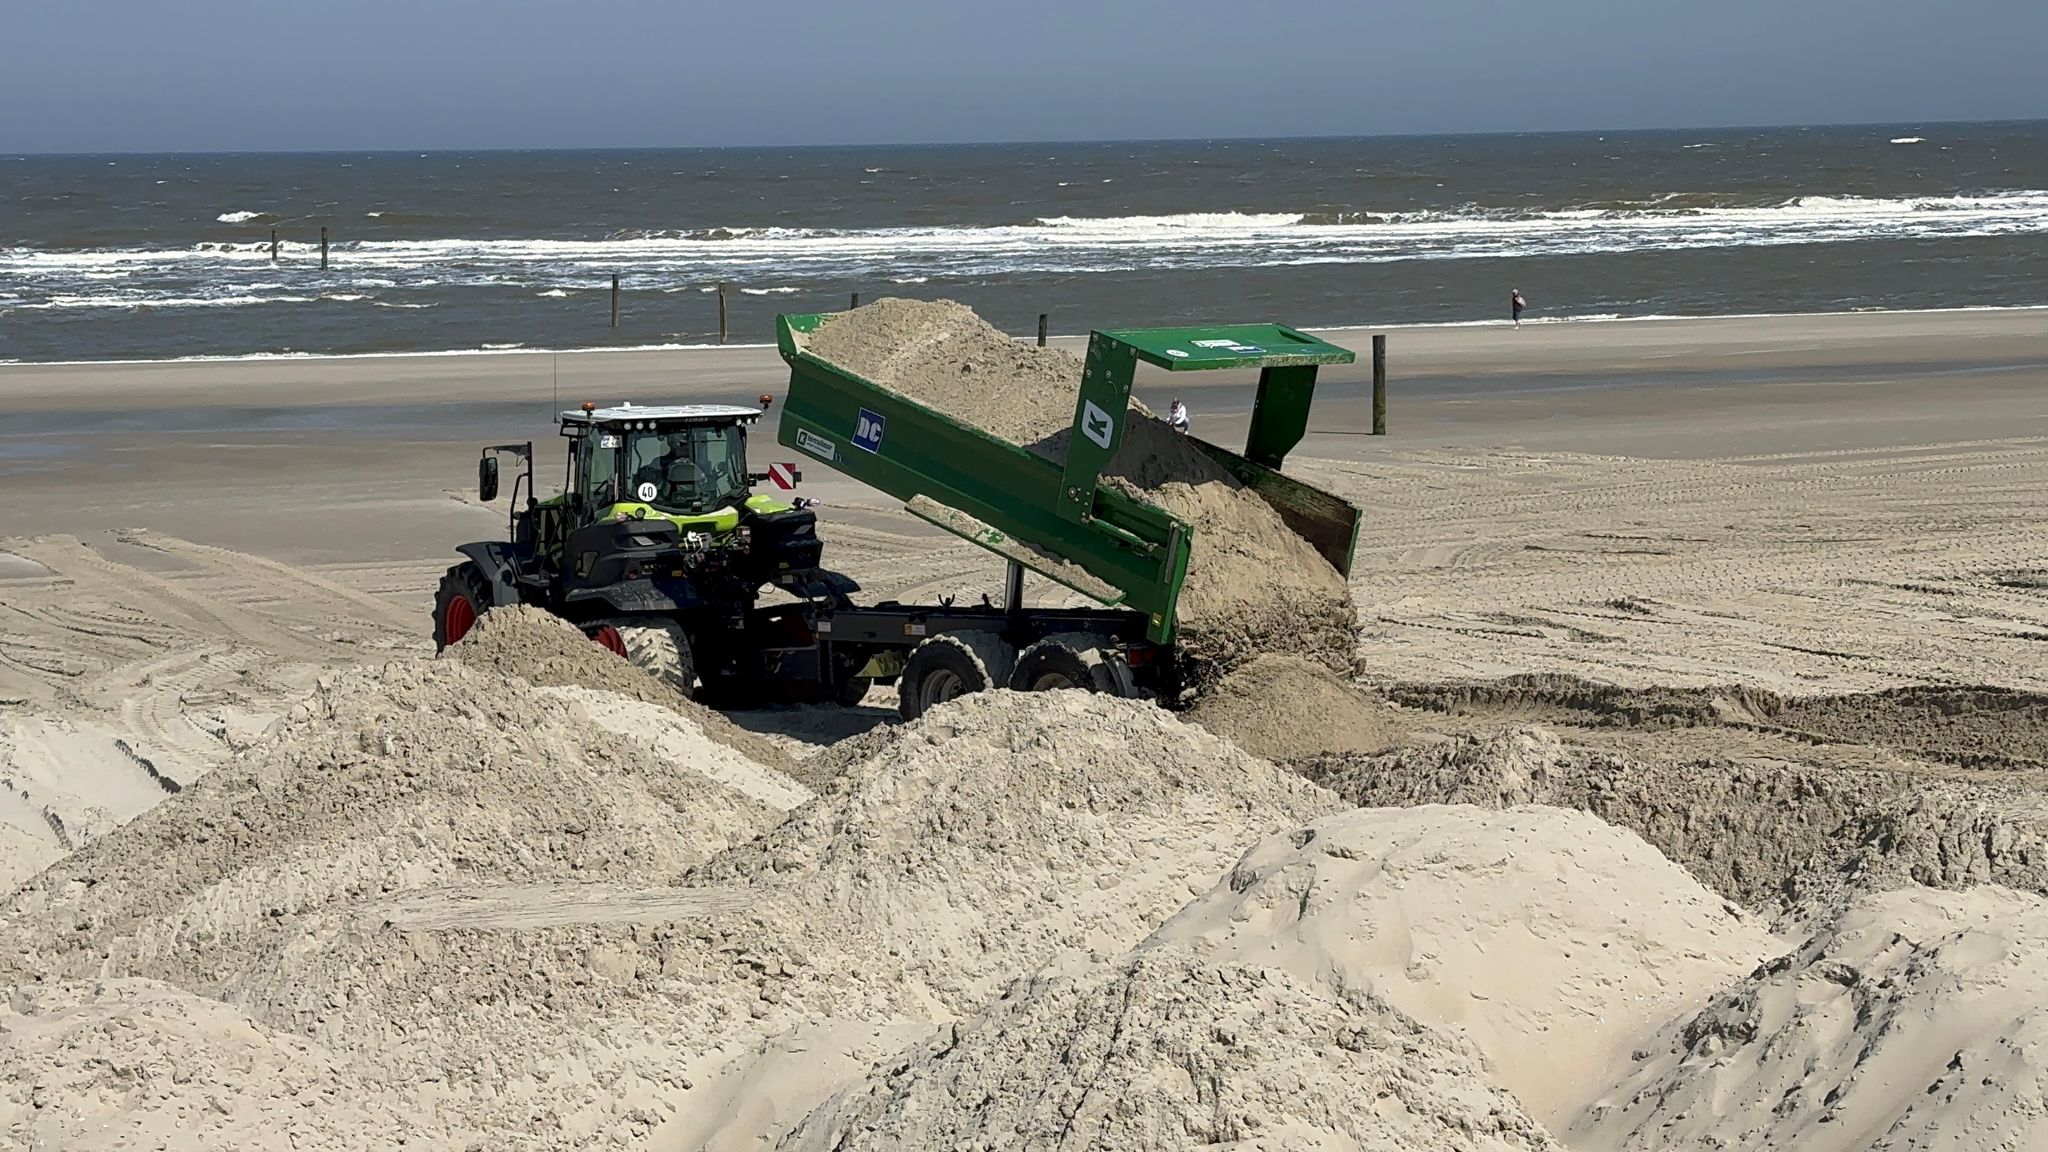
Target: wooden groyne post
[
  {"x": 273, "y": 245},
  {"x": 615, "y": 299},
  {"x": 721, "y": 312},
  {"x": 856, "y": 300},
  {"x": 1379, "y": 385},
  {"x": 323, "y": 247},
  {"x": 1041, "y": 329}
]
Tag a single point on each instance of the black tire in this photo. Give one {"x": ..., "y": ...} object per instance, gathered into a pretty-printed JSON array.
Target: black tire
[
  {"x": 656, "y": 645},
  {"x": 461, "y": 600},
  {"x": 949, "y": 666},
  {"x": 1072, "y": 660}
]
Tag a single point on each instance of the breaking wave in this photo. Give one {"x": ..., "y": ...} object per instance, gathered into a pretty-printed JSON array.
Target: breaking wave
[{"x": 751, "y": 257}]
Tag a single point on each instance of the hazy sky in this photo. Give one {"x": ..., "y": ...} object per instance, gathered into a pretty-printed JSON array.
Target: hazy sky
[{"x": 165, "y": 75}]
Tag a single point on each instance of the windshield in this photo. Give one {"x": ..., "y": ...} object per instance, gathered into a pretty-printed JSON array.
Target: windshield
[{"x": 685, "y": 470}]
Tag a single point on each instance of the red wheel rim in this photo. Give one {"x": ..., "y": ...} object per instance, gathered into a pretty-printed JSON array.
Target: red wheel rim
[
  {"x": 457, "y": 618},
  {"x": 610, "y": 638}
]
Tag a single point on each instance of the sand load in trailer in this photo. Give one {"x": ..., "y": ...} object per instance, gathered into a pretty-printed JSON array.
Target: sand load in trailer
[{"x": 1046, "y": 460}]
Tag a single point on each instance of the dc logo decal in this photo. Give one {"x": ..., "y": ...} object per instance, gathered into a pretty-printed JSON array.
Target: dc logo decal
[{"x": 867, "y": 431}]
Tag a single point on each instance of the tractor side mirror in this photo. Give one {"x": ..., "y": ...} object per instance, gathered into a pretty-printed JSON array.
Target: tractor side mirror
[{"x": 487, "y": 479}]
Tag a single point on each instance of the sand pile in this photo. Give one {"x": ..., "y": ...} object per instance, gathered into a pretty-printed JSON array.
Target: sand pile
[
  {"x": 669, "y": 736},
  {"x": 1252, "y": 585},
  {"x": 560, "y": 1017},
  {"x": 386, "y": 780},
  {"x": 995, "y": 834},
  {"x": 1005, "y": 829},
  {"x": 458, "y": 881},
  {"x": 1971, "y": 727},
  {"x": 125, "y": 1064},
  {"x": 1915, "y": 1019},
  {"x": 544, "y": 649},
  {"x": 1530, "y": 932},
  {"x": 1163, "y": 1053},
  {"x": 1768, "y": 835},
  {"x": 1283, "y": 708}
]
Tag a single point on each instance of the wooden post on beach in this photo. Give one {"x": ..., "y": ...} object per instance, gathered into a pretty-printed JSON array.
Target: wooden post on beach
[
  {"x": 1379, "y": 385},
  {"x": 323, "y": 247},
  {"x": 1041, "y": 329},
  {"x": 721, "y": 312},
  {"x": 856, "y": 300},
  {"x": 273, "y": 245},
  {"x": 615, "y": 299}
]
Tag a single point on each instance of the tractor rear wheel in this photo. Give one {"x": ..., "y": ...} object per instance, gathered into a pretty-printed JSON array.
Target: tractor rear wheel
[
  {"x": 951, "y": 665},
  {"x": 1072, "y": 660},
  {"x": 463, "y": 597},
  {"x": 653, "y": 644}
]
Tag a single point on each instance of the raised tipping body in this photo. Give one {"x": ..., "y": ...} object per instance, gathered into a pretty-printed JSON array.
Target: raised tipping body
[{"x": 1052, "y": 515}]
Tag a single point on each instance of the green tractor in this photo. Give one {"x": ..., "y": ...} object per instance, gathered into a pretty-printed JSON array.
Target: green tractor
[{"x": 660, "y": 550}]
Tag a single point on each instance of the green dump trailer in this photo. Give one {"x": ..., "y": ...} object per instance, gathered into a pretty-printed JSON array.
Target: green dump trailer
[{"x": 1053, "y": 518}]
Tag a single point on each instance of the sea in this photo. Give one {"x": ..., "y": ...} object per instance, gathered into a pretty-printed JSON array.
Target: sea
[{"x": 123, "y": 257}]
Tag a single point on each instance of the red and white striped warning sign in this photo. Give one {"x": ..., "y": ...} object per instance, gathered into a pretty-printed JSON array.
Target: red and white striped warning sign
[{"x": 784, "y": 475}]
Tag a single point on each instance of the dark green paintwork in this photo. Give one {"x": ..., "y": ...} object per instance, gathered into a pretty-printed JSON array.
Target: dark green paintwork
[
  {"x": 1132, "y": 545},
  {"x": 1129, "y": 544},
  {"x": 1203, "y": 346}
]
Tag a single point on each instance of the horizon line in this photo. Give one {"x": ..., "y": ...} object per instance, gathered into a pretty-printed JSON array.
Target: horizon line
[{"x": 1025, "y": 143}]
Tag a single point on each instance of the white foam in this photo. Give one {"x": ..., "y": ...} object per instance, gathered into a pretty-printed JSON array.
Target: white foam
[
  {"x": 554, "y": 292},
  {"x": 755, "y": 258},
  {"x": 767, "y": 291},
  {"x": 1909, "y": 140},
  {"x": 239, "y": 217},
  {"x": 130, "y": 301}
]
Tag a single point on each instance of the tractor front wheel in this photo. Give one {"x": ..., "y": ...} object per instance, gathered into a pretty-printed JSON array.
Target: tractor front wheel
[{"x": 462, "y": 599}]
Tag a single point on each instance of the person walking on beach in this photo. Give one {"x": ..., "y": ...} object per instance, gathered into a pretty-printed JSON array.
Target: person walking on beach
[
  {"x": 1516, "y": 304},
  {"x": 1177, "y": 416}
]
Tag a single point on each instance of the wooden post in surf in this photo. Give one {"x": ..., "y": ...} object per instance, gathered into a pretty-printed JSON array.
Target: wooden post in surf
[
  {"x": 323, "y": 247},
  {"x": 273, "y": 245},
  {"x": 721, "y": 312},
  {"x": 1379, "y": 385},
  {"x": 615, "y": 299},
  {"x": 1041, "y": 329},
  {"x": 856, "y": 300}
]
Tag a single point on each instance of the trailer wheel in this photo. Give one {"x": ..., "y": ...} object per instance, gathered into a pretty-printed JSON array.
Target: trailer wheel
[
  {"x": 461, "y": 600},
  {"x": 654, "y": 644},
  {"x": 952, "y": 665},
  {"x": 1080, "y": 660}
]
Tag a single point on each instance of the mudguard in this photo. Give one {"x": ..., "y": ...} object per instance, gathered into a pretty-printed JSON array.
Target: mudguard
[{"x": 499, "y": 564}]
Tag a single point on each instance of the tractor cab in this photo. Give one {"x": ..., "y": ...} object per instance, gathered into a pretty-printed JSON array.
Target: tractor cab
[
  {"x": 656, "y": 513},
  {"x": 685, "y": 463}
]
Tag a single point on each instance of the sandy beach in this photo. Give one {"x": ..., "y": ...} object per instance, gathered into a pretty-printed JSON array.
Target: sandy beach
[
  {"x": 1726, "y": 631},
  {"x": 1828, "y": 501}
]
